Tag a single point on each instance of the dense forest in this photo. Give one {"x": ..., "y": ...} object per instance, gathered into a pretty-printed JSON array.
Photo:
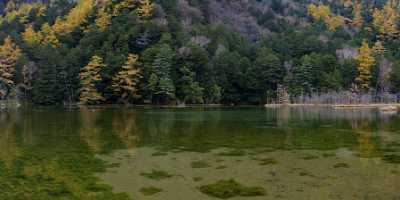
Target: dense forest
[{"x": 56, "y": 52}]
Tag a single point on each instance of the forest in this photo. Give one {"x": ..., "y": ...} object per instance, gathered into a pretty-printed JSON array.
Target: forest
[{"x": 234, "y": 52}]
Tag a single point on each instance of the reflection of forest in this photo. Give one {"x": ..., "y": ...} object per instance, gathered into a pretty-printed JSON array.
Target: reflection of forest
[
  {"x": 124, "y": 126},
  {"x": 91, "y": 129},
  {"x": 10, "y": 150}
]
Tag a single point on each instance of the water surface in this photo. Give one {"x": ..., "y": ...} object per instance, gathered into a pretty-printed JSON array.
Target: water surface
[{"x": 118, "y": 153}]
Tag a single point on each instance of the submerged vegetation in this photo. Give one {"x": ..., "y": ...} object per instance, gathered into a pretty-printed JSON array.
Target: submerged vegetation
[
  {"x": 150, "y": 191},
  {"x": 156, "y": 174},
  {"x": 225, "y": 189}
]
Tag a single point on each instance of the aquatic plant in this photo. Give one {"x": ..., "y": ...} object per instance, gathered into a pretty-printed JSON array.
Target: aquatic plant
[
  {"x": 235, "y": 152},
  {"x": 200, "y": 164},
  {"x": 268, "y": 161},
  {"x": 341, "y": 165},
  {"x": 221, "y": 167},
  {"x": 197, "y": 179},
  {"x": 309, "y": 157},
  {"x": 225, "y": 189},
  {"x": 156, "y": 174},
  {"x": 392, "y": 158},
  {"x": 149, "y": 191}
]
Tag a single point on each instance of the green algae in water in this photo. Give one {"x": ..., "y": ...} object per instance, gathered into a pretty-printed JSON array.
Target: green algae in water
[
  {"x": 225, "y": 189},
  {"x": 197, "y": 179},
  {"x": 221, "y": 167},
  {"x": 328, "y": 155},
  {"x": 159, "y": 153},
  {"x": 233, "y": 153},
  {"x": 394, "y": 159},
  {"x": 156, "y": 174},
  {"x": 341, "y": 165},
  {"x": 268, "y": 161},
  {"x": 200, "y": 164},
  {"x": 150, "y": 191},
  {"x": 309, "y": 157}
]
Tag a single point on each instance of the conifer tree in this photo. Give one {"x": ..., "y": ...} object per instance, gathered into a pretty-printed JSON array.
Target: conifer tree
[
  {"x": 125, "y": 82},
  {"x": 75, "y": 17},
  {"x": 48, "y": 36},
  {"x": 145, "y": 9},
  {"x": 9, "y": 54},
  {"x": 358, "y": 19},
  {"x": 365, "y": 61},
  {"x": 89, "y": 76},
  {"x": 379, "y": 48},
  {"x": 103, "y": 19},
  {"x": 386, "y": 20},
  {"x": 30, "y": 36}
]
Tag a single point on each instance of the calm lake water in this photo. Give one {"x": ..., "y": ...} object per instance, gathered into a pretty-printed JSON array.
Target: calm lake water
[{"x": 176, "y": 154}]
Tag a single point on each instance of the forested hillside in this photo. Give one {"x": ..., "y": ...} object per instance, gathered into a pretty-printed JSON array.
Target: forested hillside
[{"x": 58, "y": 52}]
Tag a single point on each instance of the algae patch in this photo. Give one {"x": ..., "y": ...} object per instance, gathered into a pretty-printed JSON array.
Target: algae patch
[
  {"x": 395, "y": 159},
  {"x": 156, "y": 175},
  {"x": 200, "y": 164},
  {"x": 341, "y": 165},
  {"x": 225, "y": 189},
  {"x": 150, "y": 191}
]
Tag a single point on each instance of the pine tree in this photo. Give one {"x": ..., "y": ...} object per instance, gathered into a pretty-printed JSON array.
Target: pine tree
[
  {"x": 188, "y": 90},
  {"x": 125, "y": 82},
  {"x": 9, "y": 54},
  {"x": 89, "y": 75},
  {"x": 365, "y": 62},
  {"x": 160, "y": 82},
  {"x": 145, "y": 9}
]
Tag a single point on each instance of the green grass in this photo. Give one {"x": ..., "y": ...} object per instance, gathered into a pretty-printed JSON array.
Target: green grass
[
  {"x": 156, "y": 174},
  {"x": 150, "y": 191},
  {"x": 225, "y": 189},
  {"x": 200, "y": 164}
]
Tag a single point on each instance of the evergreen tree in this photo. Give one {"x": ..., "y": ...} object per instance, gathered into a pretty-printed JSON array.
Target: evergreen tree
[
  {"x": 188, "y": 90},
  {"x": 89, "y": 76},
  {"x": 160, "y": 83}
]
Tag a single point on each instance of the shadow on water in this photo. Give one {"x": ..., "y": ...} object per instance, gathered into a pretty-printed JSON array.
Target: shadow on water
[{"x": 60, "y": 154}]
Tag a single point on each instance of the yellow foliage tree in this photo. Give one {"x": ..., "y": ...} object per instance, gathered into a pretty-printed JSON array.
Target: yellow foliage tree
[
  {"x": 323, "y": 12},
  {"x": 358, "y": 19},
  {"x": 126, "y": 4},
  {"x": 75, "y": 17},
  {"x": 89, "y": 75},
  {"x": 145, "y": 9},
  {"x": 386, "y": 20},
  {"x": 125, "y": 82},
  {"x": 30, "y": 36},
  {"x": 9, "y": 54},
  {"x": 47, "y": 35},
  {"x": 365, "y": 61},
  {"x": 103, "y": 19}
]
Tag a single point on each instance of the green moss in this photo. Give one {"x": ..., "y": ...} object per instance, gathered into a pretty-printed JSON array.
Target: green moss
[
  {"x": 233, "y": 153},
  {"x": 341, "y": 165},
  {"x": 197, "y": 179},
  {"x": 200, "y": 164},
  {"x": 149, "y": 191},
  {"x": 392, "y": 158},
  {"x": 225, "y": 189},
  {"x": 156, "y": 175}
]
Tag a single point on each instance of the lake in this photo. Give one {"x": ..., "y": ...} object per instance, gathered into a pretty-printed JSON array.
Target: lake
[{"x": 199, "y": 154}]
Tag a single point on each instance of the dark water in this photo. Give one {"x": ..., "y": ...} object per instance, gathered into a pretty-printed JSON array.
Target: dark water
[{"x": 105, "y": 153}]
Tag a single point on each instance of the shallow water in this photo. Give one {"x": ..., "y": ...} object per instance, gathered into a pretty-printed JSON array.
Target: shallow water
[{"x": 110, "y": 153}]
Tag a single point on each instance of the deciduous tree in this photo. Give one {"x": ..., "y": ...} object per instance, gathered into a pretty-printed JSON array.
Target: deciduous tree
[
  {"x": 89, "y": 76},
  {"x": 9, "y": 54},
  {"x": 125, "y": 83},
  {"x": 365, "y": 61}
]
